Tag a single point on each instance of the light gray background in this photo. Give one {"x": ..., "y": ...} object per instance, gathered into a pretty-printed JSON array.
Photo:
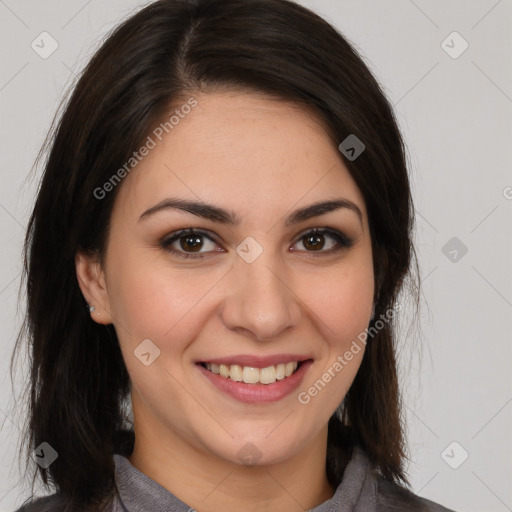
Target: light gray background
[{"x": 456, "y": 115}]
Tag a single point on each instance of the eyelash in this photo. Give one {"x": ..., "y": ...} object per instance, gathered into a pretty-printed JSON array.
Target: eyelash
[{"x": 343, "y": 241}]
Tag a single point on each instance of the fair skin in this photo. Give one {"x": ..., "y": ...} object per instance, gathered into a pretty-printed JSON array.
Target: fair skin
[{"x": 261, "y": 159}]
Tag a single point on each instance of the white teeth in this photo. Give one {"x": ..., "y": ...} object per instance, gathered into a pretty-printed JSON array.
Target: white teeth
[
  {"x": 251, "y": 375},
  {"x": 268, "y": 375},
  {"x": 235, "y": 372}
]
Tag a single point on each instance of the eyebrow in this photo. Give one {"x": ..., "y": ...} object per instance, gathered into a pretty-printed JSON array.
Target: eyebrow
[{"x": 223, "y": 216}]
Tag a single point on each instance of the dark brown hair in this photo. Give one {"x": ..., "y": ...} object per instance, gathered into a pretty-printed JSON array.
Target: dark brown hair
[{"x": 169, "y": 49}]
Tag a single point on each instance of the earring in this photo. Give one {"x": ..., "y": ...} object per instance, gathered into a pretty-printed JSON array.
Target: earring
[{"x": 92, "y": 308}]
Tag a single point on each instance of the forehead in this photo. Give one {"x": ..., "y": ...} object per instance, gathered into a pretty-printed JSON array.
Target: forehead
[{"x": 243, "y": 150}]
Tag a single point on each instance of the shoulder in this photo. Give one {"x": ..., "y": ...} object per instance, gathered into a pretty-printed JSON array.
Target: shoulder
[
  {"x": 392, "y": 497},
  {"x": 57, "y": 503},
  {"x": 53, "y": 503},
  {"x": 366, "y": 487}
]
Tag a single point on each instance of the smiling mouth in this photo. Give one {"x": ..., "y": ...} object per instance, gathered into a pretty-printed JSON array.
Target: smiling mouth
[{"x": 252, "y": 375}]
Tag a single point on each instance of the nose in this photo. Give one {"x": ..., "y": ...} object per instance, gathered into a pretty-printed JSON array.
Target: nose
[{"x": 260, "y": 300}]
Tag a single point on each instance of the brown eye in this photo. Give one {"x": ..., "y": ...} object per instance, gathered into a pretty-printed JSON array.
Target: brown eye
[
  {"x": 191, "y": 242},
  {"x": 317, "y": 240},
  {"x": 188, "y": 243},
  {"x": 314, "y": 242}
]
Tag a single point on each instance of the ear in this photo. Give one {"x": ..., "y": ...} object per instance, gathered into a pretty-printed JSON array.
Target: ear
[{"x": 91, "y": 279}]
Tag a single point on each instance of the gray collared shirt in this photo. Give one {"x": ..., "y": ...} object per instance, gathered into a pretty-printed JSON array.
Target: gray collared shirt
[{"x": 362, "y": 490}]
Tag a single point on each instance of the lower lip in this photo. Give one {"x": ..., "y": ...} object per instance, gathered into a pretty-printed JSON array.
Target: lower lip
[{"x": 258, "y": 393}]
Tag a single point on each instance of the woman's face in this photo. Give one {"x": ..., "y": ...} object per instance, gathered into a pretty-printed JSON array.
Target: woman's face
[{"x": 235, "y": 297}]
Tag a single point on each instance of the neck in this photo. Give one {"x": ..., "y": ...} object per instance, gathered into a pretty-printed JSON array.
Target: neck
[{"x": 208, "y": 483}]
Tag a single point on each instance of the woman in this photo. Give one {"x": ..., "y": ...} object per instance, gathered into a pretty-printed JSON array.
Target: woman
[{"x": 221, "y": 233}]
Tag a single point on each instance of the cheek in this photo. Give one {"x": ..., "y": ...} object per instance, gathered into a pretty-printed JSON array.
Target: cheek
[
  {"x": 153, "y": 300},
  {"x": 341, "y": 307},
  {"x": 150, "y": 302},
  {"x": 341, "y": 301}
]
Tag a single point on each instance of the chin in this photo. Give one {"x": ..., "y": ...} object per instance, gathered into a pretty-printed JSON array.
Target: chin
[{"x": 260, "y": 449}]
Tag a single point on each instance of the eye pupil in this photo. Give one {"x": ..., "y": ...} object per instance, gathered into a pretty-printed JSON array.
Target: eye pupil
[
  {"x": 314, "y": 241},
  {"x": 191, "y": 242}
]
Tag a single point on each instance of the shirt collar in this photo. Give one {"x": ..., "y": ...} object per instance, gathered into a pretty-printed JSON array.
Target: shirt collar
[{"x": 139, "y": 493}]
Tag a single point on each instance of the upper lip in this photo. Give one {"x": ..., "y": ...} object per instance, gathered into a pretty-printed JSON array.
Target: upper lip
[{"x": 257, "y": 361}]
